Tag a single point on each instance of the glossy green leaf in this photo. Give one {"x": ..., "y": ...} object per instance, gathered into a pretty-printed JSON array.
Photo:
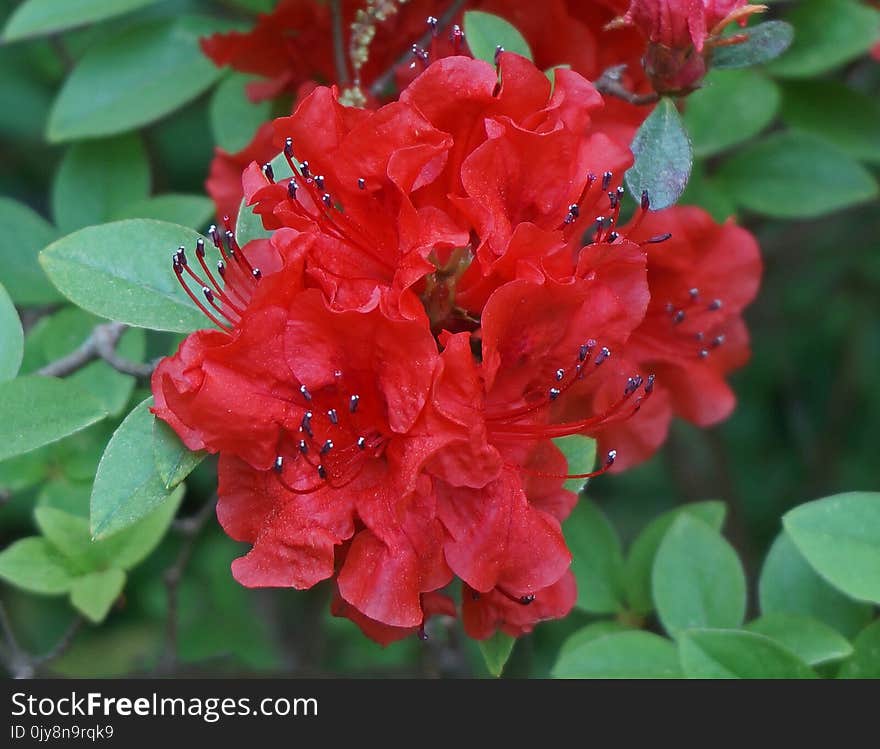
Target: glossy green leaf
[
  {"x": 734, "y": 654},
  {"x": 788, "y": 585},
  {"x": 848, "y": 119},
  {"x": 496, "y": 650},
  {"x": 640, "y": 559},
  {"x": 708, "y": 193},
  {"x": 24, "y": 234},
  {"x": 127, "y": 485},
  {"x": 97, "y": 178},
  {"x": 697, "y": 579},
  {"x": 766, "y": 41},
  {"x": 93, "y": 594},
  {"x": 809, "y": 639},
  {"x": 234, "y": 117},
  {"x": 592, "y": 631},
  {"x": 865, "y": 662},
  {"x": 620, "y": 655},
  {"x": 193, "y": 211},
  {"x": 597, "y": 559},
  {"x": 123, "y": 271},
  {"x": 32, "y": 564},
  {"x": 11, "y": 338},
  {"x": 663, "y": 157},
  {"x": 486, "y": 32},
  {"x": 795, "y": 175},
  {"x": 732, "y": 107},
  {"x": 36, "y": 411},
  {"x": 580, "y": 452},
  {"x": 112, "y": 90},
  {"x": 42, "y": 17},
  {"x": 840, "y": 538},
  {"x": 827, "y": 34},
  {"x": 174, "y": 460}
]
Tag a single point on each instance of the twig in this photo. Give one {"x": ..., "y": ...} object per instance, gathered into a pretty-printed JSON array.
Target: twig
[
  {"x": 24, "y": 665},
  {"x": 385, "y": 78},
  {"x": 342, "y": 77},
  {"x": 190, "y": 528},
  {"x": 611, "y": 84},
  {"x": 101, "y": 344}
]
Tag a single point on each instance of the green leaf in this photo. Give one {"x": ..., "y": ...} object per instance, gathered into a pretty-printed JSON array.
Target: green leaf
[
  {"x": 58, "y": 335},
  {"x": 193, "y": 211},
  {"x": 865, "y": 662},
  {"x": 485, "y": 32},
  {"x": 766, "y": 42},
  {"x": 620, "y": 655},
  {"x": 249, "y": 226},
  {"x": 11, "y": 338},
  {"x": 598, "y": 559},
  {"x": 36, "y": 411},
  {"x": 24, "y": 234},
  {"x": 640, "y": 560},
  {"x": 580, "y": 452},
  {"x": 496, "y": 650},
  {"x": 840, "y": 538},
  {"x": 663, "y": 157},
  {"x": 848, "y": 119},
  {"x": 827, "y": 34},
  {"x": 810, "y": 640},
  {"x": 123, "y": 271},
  {"x": 731, "y": 107},
  {"x": 127, "y": 485},
  {"x": 795, "y": 175},
  {"x": 94, "y": 594},
  {"x": 174, "y": 460},
  {"x": 33, "y": 565},
  {"x": 97, "y": 178},
  {"x": 69, "y": 535},
  {"x": 42, "y": 17},
  {"x": 709, "y": 194},
  {"x": 131, "y": 79},
  {"x": 734, "y": 654},
  {"x": 234, "y": 117},
  {"x": 592, "y": 631},
  {"x": 788, "y": 585},
  {"x": 697, "y": 580}
]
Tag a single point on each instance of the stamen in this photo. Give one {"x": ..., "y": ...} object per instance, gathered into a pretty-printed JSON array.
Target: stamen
[
  {"x": 304, "y": 391},
  {"x": 333, "y": 416},
  {"x": 353, "y": 403},
  {"x": 279, "y": 464},
  {"x": 269, "y": 172}
]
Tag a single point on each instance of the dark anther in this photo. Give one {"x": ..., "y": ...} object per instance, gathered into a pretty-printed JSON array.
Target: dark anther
[
  {"x": 279, "y": 464},
  {"x": 327, "y": 200},
  {"x": 613, "y": 200},
  {"x": 420, "y": 53},
  {"x": 718, "y": 340},
  {"x": 209, "y": 295},
  {"x": 678, "y": 317},
  {"x": 498, "y": 50},
  {"x": 353, "y": 403},
  {"x": 269, "y": 172},
  {"x": 333, "y": 416},
  {"x": 699, "y": 335},
  {"x": 215, "y": 235},
  {"x": 560, "y": 373},
  {"x": 585, "y": 350},
  {"x": 304, "y": 169},
  {"x": 304, "y": 392},
  {"x": 221, "y": 269},
  {"x": 291, "y": 189},
  {"x": 200, "y": 248},
  {"x": 603, "y": 354},
  {"x": 257, "y": 273},
  {"x": 611, "y": 457},
  {"x": 703, "y": 353},
  {"x": 694, "y": 293},
  {"x": 303, "y": 447},
  {"x": 306, "y": 424},
  {"x": 606, "y": 180},
  {"x": 362, "y": 183},
  {"x": 649, "y": 385},
  {"x": 326, "y": 447},
  {"x": 180, "y": 256},
  {"x": 432, "y": 24},
  {"x": 613, "y": 236},
  {"x": 715, "y": 305},
  {"x": 322, "y": 472},
  {"x": 646, "y": 200},
  {"x": 288, "y": 147},
  {"x": 231, "y": 244},
  {"x": 555, "y": 393},
  {"x": 600, "y": 223},
  {"x": 526, "y": 600},
  {"x": 423, "y": 636},
  {"x": 319, "y": 181},
  {"x": 659, "y": 238},
  {"x": 573, "y": 210},
  {"x": 361, "y": 442},
  {"x": 632, "y": 384}
]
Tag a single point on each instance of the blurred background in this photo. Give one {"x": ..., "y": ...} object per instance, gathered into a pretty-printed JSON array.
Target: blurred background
[{"x": 805, "y": 426}]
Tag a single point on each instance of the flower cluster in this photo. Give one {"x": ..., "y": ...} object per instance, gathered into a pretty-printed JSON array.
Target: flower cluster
[{"x": 448, "y": 287}]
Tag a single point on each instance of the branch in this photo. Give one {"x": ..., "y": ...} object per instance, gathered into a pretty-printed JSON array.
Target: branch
[
  {"x": 101, "y": 344},
  {"x": 610, "y": 83},
  {"x": 190, "y": 528},
  {"x": 385, "y": 78},
  {"x": 24, "y": 665},
  {"x": 342, "y": 77}
]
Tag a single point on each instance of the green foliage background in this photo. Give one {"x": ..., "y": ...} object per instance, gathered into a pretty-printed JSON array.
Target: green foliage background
[{"x": 791, "y": 148}]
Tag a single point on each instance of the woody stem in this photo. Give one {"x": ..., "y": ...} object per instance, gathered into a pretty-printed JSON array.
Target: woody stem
[{"x": 610, "y": 84}]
